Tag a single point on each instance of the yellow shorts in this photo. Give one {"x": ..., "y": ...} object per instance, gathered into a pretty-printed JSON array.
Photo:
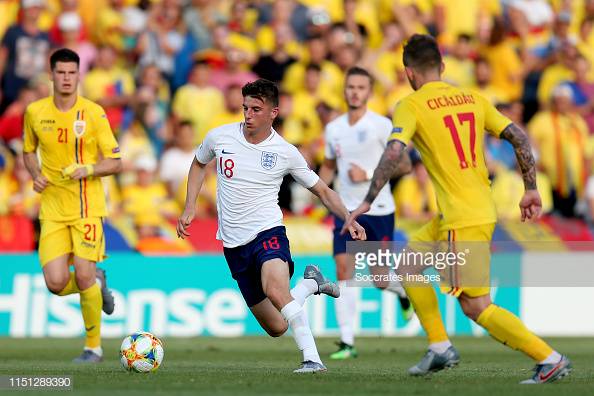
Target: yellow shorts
[
  {"x": 472, "y": 243},
  {"x": 81, "y": 237}
]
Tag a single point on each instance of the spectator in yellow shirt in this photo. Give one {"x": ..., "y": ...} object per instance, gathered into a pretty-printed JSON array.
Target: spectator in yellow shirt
[
  {"x": 508, "y": 187},
  {"x": 506, "y": 65},
  {"x": 560, "y": 136},
  {"x": 317, "y": 51},
  {"x": 305, "y": 101},
  {"x": 198, "y": 94},
  {"x": 557, "y": 73},
  {"x": 109, "y": 86},
  {"x": 414, "y": 194},
  {"x": 459, "y": 67},
  {"x": 484, "y": 86},
  {"x": 110, "y": 27},
  {"x": 455, "y": 17},
  {"x": 388, "y": 60},
  {"x": 134, "y": 144},
  {"x": 146, "y": 200},
  {"x": 233, "y": 111}
]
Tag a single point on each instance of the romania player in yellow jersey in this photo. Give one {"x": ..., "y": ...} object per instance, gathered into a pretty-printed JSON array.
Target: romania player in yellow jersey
[
  {"x": 447, "y": 125},
  {"x": 72, "y": 138}
]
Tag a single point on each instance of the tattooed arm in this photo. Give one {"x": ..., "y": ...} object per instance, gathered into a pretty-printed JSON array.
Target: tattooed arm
[
  {"x": 519, "y": 140},
  {"x": 530, "y": 205},
  {"x": 394, "y": 162}
]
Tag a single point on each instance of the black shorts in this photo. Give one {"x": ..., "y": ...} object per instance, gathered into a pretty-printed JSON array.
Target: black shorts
[
  {"x": 377, "y": 228},
  {"x": 245, "y": 262}
]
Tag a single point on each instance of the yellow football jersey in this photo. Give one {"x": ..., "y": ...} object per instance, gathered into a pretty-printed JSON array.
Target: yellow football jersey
[
  {"x": 78, "y": 136},
  {"x": 447, "y": 125}
]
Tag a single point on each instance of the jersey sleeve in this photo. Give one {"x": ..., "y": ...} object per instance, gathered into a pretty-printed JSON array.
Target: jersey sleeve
[
  {"x": 495, "y": 122},
  {"x": 385, "y": 130},
  {"x": 299, "y": 170},
  {"x": 205, "y": 152},
  {"x": 9, "y": 39},
  {"x": 108, "y": 144},
  {"x": 404, "y": 122},
  {"x": 329, "y": 151},
  {"x": 30, "y": 138}
]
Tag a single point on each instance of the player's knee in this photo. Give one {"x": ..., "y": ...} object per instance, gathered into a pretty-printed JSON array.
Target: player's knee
[
  {"x": 55, "y": 284},
  {"x": 85, "y": 279},
  {"x": 277, "y": 330},
  {"x": 278, "y": 297},
  {"x": 472, "y": 312},
  {"x": 472, "y": 308}
]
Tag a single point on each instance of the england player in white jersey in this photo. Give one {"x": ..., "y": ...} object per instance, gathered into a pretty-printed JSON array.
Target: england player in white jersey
[
  {"x": 252, "y": 159},
  {"x": 355, "y": 142}
]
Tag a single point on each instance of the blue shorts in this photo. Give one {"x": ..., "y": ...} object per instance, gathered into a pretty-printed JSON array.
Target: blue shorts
[
  {"x": 377, "y": 228},
  {"x": 245, "y": 262}
]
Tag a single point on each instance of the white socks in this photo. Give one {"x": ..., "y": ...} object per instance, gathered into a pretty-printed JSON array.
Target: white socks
[
  {"x": 97, "y": 351},
  {"x": 303, "y": 289},
  {"x": 553, "y": 358},
  {"x": 297, "y": 319},
  {"x": 396, "y": 287},
  {"x": 440, "y": 347},
  {"x": 346, "y": 309}
]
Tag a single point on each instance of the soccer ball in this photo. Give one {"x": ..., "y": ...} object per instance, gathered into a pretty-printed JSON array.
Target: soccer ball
[{"x": 141, "y": 352}]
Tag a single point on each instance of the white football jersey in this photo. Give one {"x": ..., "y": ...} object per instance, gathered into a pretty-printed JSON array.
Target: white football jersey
[
  {"x": 363, "y": 144},
  {"x": 248, "y": 180}
]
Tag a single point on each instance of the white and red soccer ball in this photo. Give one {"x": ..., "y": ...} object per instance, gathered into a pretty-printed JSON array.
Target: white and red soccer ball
[{"x": 141, "y": 352}]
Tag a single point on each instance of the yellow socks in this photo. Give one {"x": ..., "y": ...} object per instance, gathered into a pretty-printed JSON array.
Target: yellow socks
[
  {"x": 424, "y": 301},
  {"x": 508, "y": 329},
  {"x": 71, "y": 287},
  {"x": 90, "y": 305}
]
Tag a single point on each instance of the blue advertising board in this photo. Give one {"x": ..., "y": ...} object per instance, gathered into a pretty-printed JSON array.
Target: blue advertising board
[{"x": 196, "y": 296}]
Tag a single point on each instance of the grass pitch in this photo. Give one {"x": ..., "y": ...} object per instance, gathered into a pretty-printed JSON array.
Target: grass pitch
[{"x": 263, "y": 366}]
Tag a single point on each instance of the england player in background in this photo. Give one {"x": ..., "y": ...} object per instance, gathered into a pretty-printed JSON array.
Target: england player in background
[
  {"x": 252, "y": 159},
  {"x": 355, "y": 142}
]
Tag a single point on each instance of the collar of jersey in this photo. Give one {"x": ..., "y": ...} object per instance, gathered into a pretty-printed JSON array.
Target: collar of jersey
[
  {"x": 435, "y": 84},
  {"x": 73, "y": 108},
  {"x": 263, "y": 141}
]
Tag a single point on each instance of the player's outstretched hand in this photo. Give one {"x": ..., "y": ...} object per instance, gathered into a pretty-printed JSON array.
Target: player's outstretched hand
[
  {"x": 40, "y": 183},
  {"x": 184, "y": 222},
  {"x": 349, "y": 222},
  {"x": 77, "y": 171},
  {"x": 530, "y": 205},
  {"x": 357, "y": 232}
]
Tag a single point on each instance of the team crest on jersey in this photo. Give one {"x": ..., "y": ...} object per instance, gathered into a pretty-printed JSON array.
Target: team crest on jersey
[
  {"x": 268, "y": 160},
  {"x": 362, "y": 135},
  {"x": 79, "y": 128}
]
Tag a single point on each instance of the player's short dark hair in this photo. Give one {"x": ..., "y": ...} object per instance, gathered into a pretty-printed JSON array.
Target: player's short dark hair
[
  {"x": 64, "y": 55},
  {"x": 185, "y": 123},
  {"x": 421, "y": 52},
  {"x": 359, "y": 71},
  {"x": 481, "y": 59},
  {"x": 465, "y": 37},
  {"x": 314, "y": 67},
  {"x": 263, "y": 89}
]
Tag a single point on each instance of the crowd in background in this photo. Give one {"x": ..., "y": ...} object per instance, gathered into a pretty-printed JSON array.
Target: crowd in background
[{"x": 168, "y": 71}]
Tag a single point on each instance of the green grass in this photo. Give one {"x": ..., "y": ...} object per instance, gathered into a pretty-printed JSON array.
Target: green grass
[{"x": 263, "y": 366}]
